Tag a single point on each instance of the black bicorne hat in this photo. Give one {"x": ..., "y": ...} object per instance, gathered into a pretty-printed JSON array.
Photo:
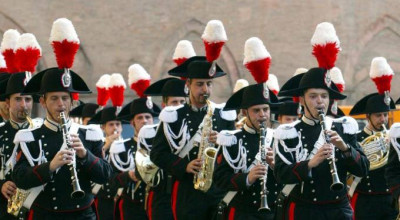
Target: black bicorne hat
[
  {"x": 105, "y": 115},
  {"x": 167, "y": 87},
  {"x": 313, "y": 78},
  {"x": 286, "y": 107},
  {"x": 56, "y": 80},
  {"x": 398, "y": 101},
  {"x": 372, "y": 103},
  {"x": 196, "y": 67},
  {"x": 138, "y": 106},
  {"x": 249, "y": 96},
  {"x": 14, "y": 83},
  {"x": 84, "y": 110}
]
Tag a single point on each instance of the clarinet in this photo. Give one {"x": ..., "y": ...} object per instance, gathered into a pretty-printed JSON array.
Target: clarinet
[
  {"x": 264, "y": 190},
  {"x": 77, "y": 192},
  {"x": 336, "y": 184}
]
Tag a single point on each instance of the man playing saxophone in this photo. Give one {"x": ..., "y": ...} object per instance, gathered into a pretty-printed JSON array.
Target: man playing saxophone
[
  {"x": 302, "y": 152},
  {"x": 239, "y": 168},
  {"x": 20, "y": 107},
  {"x": 173, "y": 147},
  {"x": 372, "y": 192}
]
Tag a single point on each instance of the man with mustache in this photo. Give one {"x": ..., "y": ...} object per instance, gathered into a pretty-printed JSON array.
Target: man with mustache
[
  {"x": 302, "y": 152},
  {"x": 19, "y": 107},
  {"x": 174, "y": 148}
]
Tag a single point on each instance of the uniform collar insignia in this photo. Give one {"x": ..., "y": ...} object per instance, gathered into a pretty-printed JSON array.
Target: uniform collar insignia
[
  {"x": 309, "y": 121},
  {"x": 54, "y": 126}
]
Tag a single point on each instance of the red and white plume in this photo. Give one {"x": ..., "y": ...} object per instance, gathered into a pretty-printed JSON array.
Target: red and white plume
[
  {"x": 326, "y": 45},
  {"x": 116, "y": 88},
  {"x": 103, "y": 93},
  {"x": 65, "y": 42},
  {"x": 183, "y": 51},
  {"x": 139, "y": 79},
  {"x": 273, "y": 84},
  {"x": 214, "y": 38},
  {"x": 8, "y": 44},
  {"x": 381, "y": 74},
  {"x": 3, "y": 65},
  {"x": 257, "y": 59},
  {"x": 337, "y": 78},
  {"x": 27, "y": 53}
]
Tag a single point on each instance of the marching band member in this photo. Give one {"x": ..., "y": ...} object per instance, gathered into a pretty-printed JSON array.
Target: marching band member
[
  {"x": 372, "y": 192},
  {"x": 287, "y": 111},
  {"x": 159, "y": 197},
  {"x": 84, "y": 111},
  {"x": 246, "y": 165}
]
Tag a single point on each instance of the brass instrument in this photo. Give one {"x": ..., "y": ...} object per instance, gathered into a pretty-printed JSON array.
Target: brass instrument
[
  {"x": 264, "y": 190},
  {"x": 336, "y": 184},
  {"x": 77, "y": 192},
  {"x": 376, "y": 148},
  {"x": 146, "y": 168},
  {"x": 207, "y": 153}
]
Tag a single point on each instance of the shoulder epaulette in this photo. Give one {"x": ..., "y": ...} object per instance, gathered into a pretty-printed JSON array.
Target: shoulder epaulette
[
  {"x": 169, "y": 114},
  {"x": 286, "y": 131},
  {"x": 394, "y": 131},
  {"x": 2, "y": 124},
  {"x": 350, "y": 125},
  {"x": 24, "y": 135},
  {"x": 148, "y": 131},
  {"x": 227, "y": 137},
  {"x": 118, "y": 146},
  {"x": 229, "y": 115},
  {"x": 94, "y": 133}
]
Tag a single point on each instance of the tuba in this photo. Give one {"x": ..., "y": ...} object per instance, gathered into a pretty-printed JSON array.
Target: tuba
[
  {"x": 207, "y": 153},
  {"x": 376, "y": 148}
]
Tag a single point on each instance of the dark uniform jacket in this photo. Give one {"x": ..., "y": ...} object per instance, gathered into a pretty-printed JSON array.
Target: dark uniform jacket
[
  {"x": 47, "y": 141},
  {"x": 295, "y": 141},
  {"x": 244, "y": 144},
  {"x": 392, "y": 173}
]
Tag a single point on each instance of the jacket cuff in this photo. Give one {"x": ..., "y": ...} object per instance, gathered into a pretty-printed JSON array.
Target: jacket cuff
[
  {"x": 301, "y": 171},
  {"x": 42, "y": 172}
]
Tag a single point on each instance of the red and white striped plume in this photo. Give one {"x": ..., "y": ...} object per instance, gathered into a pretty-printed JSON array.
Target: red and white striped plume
[
  {"x": 27, "y": 54},
  {"x": 103, "y": 92},
  {"x": 65, "y": 42},
  {"x": 116, "y": 88},
  {"x": 257, "y": 59},
  {"x": 326, "y": 45},
  {"x": 337, "y": 78},
  {"x": 296, "y": 99},
  {"x": 3, "y": 65},
  {"x": 214, "y": 38},
  {"x": 8, "y": 44},
  {"x": 273, "y": 84},
  {"x": 183, "y": 51},
  {"x": 240, "y": 83},
  {"x": 381, "y": 73},
  {"x": 139, "y": 79}
]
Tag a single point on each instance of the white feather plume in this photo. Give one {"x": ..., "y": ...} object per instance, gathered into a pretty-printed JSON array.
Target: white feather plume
[
  {"x": 300, "y": 71},
  {"x": 10, "y": 38},
  {"x": 240, "y": 83},
  {"x": 254, "y": 49},
  {"x": 116, "y": 79},
  {"x": 336, "y": 76},
  {"x": 104, "y": 81},
  {"x": 26, "y": 41},
  {"x": 380, "y": 67},
  {"x": 325, "y": 33},
  {"x": 214, "y": 32},
  {"x": 272, "y": 82},
  {"x": 136, "y": 73},
  {"x": 184, "y": 49},
  {"x": 2, "y": 62},
  {"x": 63, "y": 29}
]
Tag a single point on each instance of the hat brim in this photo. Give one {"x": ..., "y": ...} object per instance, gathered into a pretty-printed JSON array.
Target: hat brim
[{"x": 361, "y": 106}]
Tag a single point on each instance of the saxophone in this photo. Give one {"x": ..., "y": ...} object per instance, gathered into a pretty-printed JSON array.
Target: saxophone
[{"x": 207, "y": 153}]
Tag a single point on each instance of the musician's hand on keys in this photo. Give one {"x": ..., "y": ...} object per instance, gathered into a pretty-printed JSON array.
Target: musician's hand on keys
[
  {"x": 8, "y": 189},
  {"x": 132, "y": 175},
  {"x": 257, "y": 172},
  {"x": 270, "y": 158},
  {"x": 194, "y": 166},
  {"x": 323, "y": 153},
  {"x": 60, "y": 159},
  {"x": 80, "y": 150},
  {"x": 213, "y": 137},
  {"x": 337, "y": 140}
]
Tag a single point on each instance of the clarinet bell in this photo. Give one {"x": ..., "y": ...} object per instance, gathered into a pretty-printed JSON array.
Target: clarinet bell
[
  {"x": 264, "y": 205},
  {"x": 336, "y": 185}
]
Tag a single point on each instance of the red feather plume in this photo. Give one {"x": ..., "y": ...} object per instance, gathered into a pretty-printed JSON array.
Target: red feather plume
[
  {"x": 26, "y": 60},
  {"x": 213, "y": 50},
  {"x": 65, "y": 52},
  {"x": 326, "y": 54},
  {"x": 383, "y": 83},
  {"x": 259, "y": 69},
  {"x": 103, "y": 95},
  {"x": 9, "y": 57},
  {"x": 140, "y": 86}
]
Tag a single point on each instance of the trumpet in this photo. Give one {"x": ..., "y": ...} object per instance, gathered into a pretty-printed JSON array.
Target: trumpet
[
  {"x": 77, "y": 192},
  {"x": 264, "y": 190},
  {"x": 336, "y": 184}
]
